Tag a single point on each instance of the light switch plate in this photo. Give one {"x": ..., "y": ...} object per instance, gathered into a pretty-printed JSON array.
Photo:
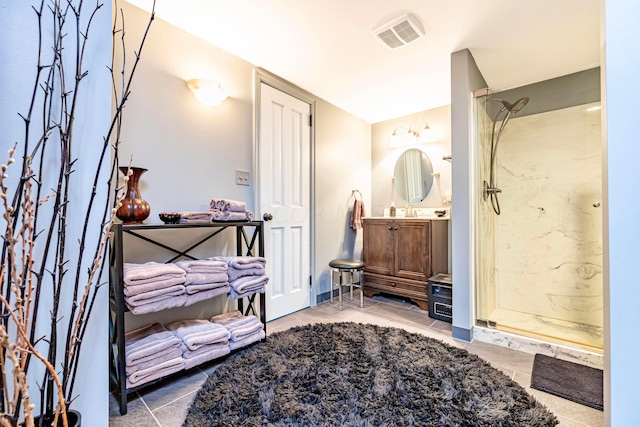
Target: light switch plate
[{"x": 243, "y": 177}]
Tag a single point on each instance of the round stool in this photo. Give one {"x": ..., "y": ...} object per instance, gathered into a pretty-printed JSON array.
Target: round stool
[{"x": 344, "y": 272}]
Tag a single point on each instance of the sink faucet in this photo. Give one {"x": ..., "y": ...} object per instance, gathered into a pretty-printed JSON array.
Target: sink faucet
[{"x": 409, "y": 212}]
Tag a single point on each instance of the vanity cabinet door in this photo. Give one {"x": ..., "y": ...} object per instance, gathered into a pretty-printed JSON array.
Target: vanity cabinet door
[
  {"x": 379, "y": 246},
  {"x": 412, "y": 249}
]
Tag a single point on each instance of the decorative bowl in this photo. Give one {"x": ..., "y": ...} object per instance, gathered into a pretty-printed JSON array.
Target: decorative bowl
[{"x": 169, "y": 217}]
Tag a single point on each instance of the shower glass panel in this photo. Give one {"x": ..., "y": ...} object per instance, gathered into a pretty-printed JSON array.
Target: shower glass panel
[{"x": 539, "y": 263}]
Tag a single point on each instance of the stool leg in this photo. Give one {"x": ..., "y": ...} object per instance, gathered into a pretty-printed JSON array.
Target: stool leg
[
  {"x": 351, "y": 289},
  {"x": 340, "y": 295},
  {"x": 361, "y": 291},
  {"x": 331, "y": 292}
]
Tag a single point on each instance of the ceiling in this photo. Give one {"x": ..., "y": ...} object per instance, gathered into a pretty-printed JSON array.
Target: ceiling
[{"x": 328, "y": 48}]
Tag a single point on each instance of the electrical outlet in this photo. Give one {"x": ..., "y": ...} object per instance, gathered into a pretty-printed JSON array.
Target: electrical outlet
[{"x": 243, "y": 177}]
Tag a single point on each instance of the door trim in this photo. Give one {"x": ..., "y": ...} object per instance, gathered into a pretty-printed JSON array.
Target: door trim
[{"x": 260, "y": 76}]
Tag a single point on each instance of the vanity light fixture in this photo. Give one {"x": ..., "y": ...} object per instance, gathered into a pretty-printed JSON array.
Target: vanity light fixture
[
  {"x": 403, "y": 136},
  {"x": 209, "y": 92},
  {"x": 427, "y": 134}
]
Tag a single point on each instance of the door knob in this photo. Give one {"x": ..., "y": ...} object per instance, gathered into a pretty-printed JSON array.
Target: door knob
[
  {"x": 267, "y": 217},
  {"x": 596, "y": 205}
]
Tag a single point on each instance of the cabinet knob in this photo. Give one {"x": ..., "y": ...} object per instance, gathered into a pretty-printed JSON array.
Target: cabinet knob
[
  {"x": 390, "y": 228},
  {"x": 393, "y": 285},
  {"x": 267, "y": 217},
  {"x": 395, "y": 228}
]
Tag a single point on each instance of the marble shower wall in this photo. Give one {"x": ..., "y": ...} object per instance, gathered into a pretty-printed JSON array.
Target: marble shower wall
[{"x": 549, "y": 236}]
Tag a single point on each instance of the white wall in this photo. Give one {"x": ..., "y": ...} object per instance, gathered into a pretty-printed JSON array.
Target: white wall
[
  {"x": 621, "y": 60},
  {"x": 18, "y": 53},
  {"x": 343, "y": 164}
]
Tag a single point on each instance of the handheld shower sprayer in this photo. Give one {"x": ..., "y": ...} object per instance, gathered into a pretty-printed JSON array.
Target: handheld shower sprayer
[{"x": 490, "y": 189}]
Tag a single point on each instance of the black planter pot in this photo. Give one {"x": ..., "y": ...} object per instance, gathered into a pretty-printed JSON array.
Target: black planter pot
[{"x": 73, "y": 420}]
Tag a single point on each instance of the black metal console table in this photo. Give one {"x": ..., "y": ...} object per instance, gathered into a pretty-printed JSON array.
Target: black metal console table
[{"x": 248, "y": 236}]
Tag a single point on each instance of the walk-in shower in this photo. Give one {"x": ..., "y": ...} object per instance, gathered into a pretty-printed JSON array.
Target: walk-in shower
[
  {"x": 490, "y": 189},
  {"x": 539, "y": 264}
]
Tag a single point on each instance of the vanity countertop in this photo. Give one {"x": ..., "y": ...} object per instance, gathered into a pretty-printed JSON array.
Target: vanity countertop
[
  {"x": 431, "y": 218},
  {"x": 421, "y": 213}
]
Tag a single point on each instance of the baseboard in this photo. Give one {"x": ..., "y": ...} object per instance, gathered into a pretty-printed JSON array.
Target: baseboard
[
  {"x": 462, "y": 334},
  {"x": 326, "y": 296}
]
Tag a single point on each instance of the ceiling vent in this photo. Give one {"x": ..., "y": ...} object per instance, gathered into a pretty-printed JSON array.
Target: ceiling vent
[{"x": 399, "y": 32}]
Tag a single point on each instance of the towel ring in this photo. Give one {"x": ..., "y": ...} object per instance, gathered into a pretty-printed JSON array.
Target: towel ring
[{"x": 353, "y": 193}]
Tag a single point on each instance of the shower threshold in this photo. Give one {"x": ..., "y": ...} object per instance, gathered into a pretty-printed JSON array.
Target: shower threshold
[{"x": 570, "y": 334}]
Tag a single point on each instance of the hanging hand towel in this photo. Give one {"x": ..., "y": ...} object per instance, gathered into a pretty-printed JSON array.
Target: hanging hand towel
[{"x": 357, "y": 214}]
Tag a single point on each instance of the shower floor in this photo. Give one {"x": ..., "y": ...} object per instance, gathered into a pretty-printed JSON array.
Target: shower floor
[{"x": 578, "y": 335}]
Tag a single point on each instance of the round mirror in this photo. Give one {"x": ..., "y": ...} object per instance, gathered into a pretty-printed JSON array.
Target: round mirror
[{"x": 413, "y": 176}]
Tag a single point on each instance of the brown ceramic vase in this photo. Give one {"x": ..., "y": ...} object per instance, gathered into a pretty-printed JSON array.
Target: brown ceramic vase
[{"x": 134, "y": 208}]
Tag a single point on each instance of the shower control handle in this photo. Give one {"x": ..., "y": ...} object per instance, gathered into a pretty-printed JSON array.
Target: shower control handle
[{"x": 596, "y": 205}]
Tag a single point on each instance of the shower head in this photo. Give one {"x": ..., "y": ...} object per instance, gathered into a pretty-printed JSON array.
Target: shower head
[
  {"x": 512, "y": 108},
  {"x": 519, "y": 105}
]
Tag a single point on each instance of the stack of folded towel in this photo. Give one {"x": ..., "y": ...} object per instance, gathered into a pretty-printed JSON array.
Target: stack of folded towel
[
  {"x": 151, "y": 352},
  {"x": 246, "y": 275},
  {"x": 205, "y": 279},
  {"x": 195, "y": 217},
  {"x": 244, "y": 330},
  {"x": 229, "y": 210},
  {"x": 201, "y": 340},
  {"x": 153, "y": 286}
]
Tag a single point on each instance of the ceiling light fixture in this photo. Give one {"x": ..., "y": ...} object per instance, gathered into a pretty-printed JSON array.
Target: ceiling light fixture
[
  {"x": 209, "y": 92},
  {"x": 399, "y": 32}
]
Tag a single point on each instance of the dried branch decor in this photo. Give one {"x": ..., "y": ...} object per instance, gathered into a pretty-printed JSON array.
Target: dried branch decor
[{"x": 56, "y": 226}]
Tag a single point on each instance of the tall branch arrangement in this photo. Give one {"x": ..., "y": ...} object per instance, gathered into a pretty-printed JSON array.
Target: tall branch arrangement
[{"x": 48, "y": 291}]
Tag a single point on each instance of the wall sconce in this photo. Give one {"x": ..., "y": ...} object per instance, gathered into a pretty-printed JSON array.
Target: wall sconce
[
  {"x": 403, "y": 136},
  {"x": 209, "y": 92}
]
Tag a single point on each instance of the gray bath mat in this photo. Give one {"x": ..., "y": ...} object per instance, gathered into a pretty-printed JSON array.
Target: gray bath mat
[{"x": 578, "y": 383}]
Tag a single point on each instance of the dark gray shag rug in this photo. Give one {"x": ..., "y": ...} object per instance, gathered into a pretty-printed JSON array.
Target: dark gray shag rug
[{"x": 348, "y": 374}]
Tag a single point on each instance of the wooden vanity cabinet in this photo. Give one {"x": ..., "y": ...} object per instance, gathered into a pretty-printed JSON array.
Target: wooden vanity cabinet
[{"x": 401, "y": 254}]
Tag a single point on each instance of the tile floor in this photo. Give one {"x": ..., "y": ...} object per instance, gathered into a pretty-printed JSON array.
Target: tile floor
[{"x": 166, "y": 403}]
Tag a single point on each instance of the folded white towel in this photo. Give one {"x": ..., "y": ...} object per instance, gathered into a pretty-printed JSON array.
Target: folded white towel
[
  {"x": 230, "y": 216},
  {"x": 153, "y": 296},
  {"x": 236, "y": 274},
  {"x": 239, "y": 326},
  {"x": 189, "y": 354},
  {"x": 213, "y": 353},
  {"x": 205, "y": 278},
  {"x": 196, "y": 333},
  {"x": 163, "y": 369},
  {"x": 194, "y": 289},
  {"x": 145, "y": 343},
  {"x": 154, "y": 360},
  {"x": 227, "y": 205},
  {"x": 205, "y": 295},
  {"x": 242, "y": 332},
  {"x": 163, "y": 303},
  {"x": 195, "y": 217},
  {"x": 203, "y": 266},
  {"x": 244, "y": 285},
  {"x": 157, "y": 284},
  {"x": 139, "y": 274},
  {"x": 233, "y": 345},
  {"x": 223, "y": 317},
  {"x": 242, "y": 262}
]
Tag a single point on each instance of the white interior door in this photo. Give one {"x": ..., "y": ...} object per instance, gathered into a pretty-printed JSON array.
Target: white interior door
[{"x": 284, "y": 165}]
